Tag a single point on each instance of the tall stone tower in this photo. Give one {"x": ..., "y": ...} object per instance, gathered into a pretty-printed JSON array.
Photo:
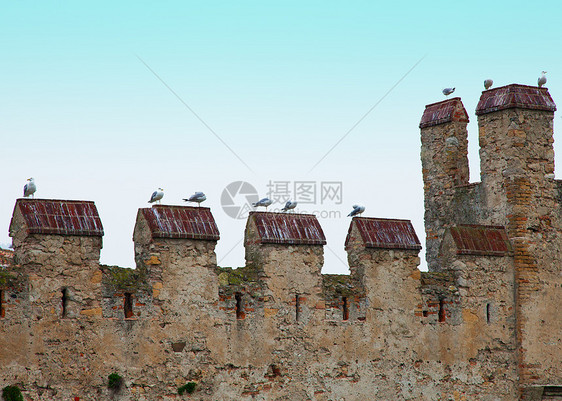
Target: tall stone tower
[
  {"x": 444, "y": 157},
  {"x": 519, "y": 191}
]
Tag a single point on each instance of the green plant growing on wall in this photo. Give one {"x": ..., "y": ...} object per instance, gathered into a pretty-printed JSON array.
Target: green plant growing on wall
[
  {"x": 188, "y": 388},
  {"x": 12, "y": 393},
  {"x": 114, "y": 381}
]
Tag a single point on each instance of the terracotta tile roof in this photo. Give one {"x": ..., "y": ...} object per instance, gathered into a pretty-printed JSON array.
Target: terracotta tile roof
[
  {"x": 63, "y": 217},
  {"x": 385, "y": 233},
  {"x": 511, "y": 96},
  {"x": 288, "y": 228},
  {"x": 444, "y": 112},
  {"x": 6, "y": 257},
  {"x": 481, "y": 240},
  {"x": 186, "y": 222}
]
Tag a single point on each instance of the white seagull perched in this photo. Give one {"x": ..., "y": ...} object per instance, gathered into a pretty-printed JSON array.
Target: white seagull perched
[
  {"x": 157, "y": 195},
  {"x": 29, "y": 188},
  {"x": 448, "y": 91},
  {"x": 289, "y": 205},
  {"x": 357, "y": 210},
  {"x": 488, "y": 83},
  {"x": 196, "y": 197},
  {"x": 265, "y": 202},
  {"x": 542, "y": 79}
]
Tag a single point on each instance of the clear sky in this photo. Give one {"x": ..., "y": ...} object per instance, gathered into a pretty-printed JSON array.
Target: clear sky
[{"x": 279, "y": 82}]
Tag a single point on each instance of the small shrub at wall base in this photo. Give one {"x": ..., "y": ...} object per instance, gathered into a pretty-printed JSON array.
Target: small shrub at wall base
[
  {"x": 114, "y": 381},
  {"x": 187, "y": 388},
  {"x": 11, "y": 393}
]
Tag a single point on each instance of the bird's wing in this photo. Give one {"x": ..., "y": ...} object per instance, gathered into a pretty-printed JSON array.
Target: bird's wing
[{"x": 24, "y": 190}]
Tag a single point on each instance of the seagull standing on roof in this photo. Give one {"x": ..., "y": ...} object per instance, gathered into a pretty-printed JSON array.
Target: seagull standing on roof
[
  {"x": 488, "y": 83},
  {"x": 289, "y": 205},
  {"x": 156, "y": 195},
  {"x": 265, "y": 202},
  {"x": 542, "y": 79},
  {"x": 357, "y": 210},
  {"x": 196, "y": 197},
  {"x": 29, "y": 188},
  {"x": 448, "y": 91}
]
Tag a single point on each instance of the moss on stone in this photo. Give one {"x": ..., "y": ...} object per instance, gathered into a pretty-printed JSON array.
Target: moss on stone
[
  {"x": 12, "y": 279},
  {"x": 114, "y": 381},
  {"x": 6, "y": 278},
  {"x": 130, "y": 280},
  {"x": 237, "y": 277},
  {"x": 340, "y": 284},
  {"x": 12, "y": 393},
  {"x": 442, "y": 279},
  {"x": 188, "y": 388}
]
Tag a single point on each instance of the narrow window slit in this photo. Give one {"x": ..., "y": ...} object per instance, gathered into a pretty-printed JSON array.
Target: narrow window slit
[
  {"x": 128, "y": 305},
  {"x": 64, "y": 302},
  {"x": 239, "y": 311},
  {"x": 297, "y": 307},
  {"x": 345, "y": 308},
  {"x": 488, "y": 315},
  {"x": 441, "y": 310}
]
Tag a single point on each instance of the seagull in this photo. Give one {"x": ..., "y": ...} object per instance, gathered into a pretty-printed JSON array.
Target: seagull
[
  {"x": 263, "y": 202},
  {"x": 448, "y": 91},
  {"x": 488, "y": 83},
  {"x": 357, "y": 210},
  {"x": 29, "y": 188},
  {"x": 542, "y": 79},
  {"x": 289, "y": 205},
  {"x": 157, "y": 195},
  {"x": 196, "y": 197}
]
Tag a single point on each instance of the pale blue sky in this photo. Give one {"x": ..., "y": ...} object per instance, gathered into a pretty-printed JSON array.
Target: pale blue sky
[{"x": 280, "y": 83}]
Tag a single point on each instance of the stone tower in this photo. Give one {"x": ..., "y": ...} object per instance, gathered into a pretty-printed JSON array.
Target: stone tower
[
  {"x": 515, "y": 125},
  {"x": 444, "y": 157}
]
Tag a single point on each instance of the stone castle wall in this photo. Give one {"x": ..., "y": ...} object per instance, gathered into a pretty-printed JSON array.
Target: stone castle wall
[{"x": 482, "y": 324}]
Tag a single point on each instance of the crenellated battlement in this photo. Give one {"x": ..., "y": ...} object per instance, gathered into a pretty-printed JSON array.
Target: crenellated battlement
[{"x": 481, "y": 324}]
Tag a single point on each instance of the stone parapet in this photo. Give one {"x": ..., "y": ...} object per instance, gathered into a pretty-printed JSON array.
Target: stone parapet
[{"x": 482, "y": 324}]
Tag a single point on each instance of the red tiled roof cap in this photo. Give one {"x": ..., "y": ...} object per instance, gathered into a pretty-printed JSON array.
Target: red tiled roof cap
[
  {"x": 444, "y": 112},
  {"x": 385, "y": 233},
  {"x": 515, "y": 96},
  {"x": 185, "y": 222},
  {"x": 62, "y": 217},
  {"x": 481, "y": 240},
  {"x": 288, "y": 228}
]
